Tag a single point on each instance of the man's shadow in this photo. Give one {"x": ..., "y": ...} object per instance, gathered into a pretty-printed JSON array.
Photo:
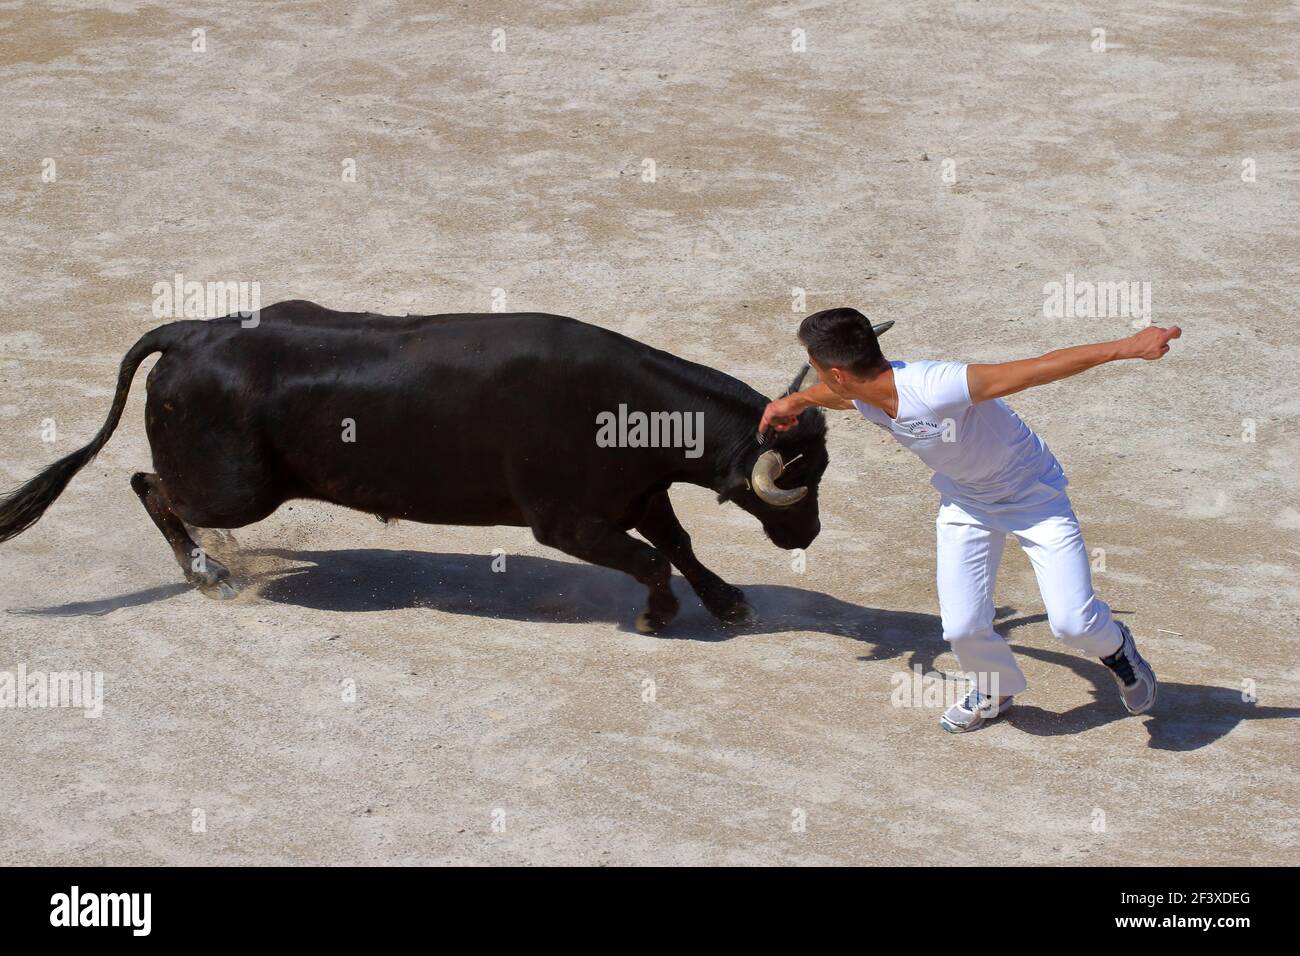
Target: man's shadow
[
  {"x": 545, "y": 590},
  {"x": 1185, "y": 716}
]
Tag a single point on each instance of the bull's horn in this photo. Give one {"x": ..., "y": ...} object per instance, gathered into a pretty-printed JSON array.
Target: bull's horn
[
  {"x": 798, "y": 379},
  {"x": 767, "y": 469},
  {"x": 883, "y": 327}
]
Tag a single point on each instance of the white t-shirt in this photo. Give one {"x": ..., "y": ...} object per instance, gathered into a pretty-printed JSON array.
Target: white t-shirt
[{"x": 981, "y": 453}]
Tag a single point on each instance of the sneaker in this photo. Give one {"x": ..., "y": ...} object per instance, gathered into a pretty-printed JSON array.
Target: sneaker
[
  {"x": 973, "y": 712},
  {"x": 1136, "y": 679}
]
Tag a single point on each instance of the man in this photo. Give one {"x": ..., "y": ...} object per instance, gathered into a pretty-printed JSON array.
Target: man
[{"x": 995, "y": 477}]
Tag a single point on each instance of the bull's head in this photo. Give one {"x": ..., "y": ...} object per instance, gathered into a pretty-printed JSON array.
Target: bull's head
[
  {"x": 777, "y": 482},
  {"x": 784, "y": 473}
]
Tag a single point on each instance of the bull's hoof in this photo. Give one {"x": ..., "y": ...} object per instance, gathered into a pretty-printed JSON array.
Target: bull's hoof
[
  {"x": 223, "y": 590},
  {"x": 214, "y": 582},
  {"x": 739, "y": 613},
  {"x": 659, "y": 613},
  {"x": 729, "y": 605},
  {"x": 646, "y": 623}
]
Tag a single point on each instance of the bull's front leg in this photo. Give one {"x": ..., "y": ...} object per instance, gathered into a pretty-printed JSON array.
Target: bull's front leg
[
  {"x": 659, "y": 526},
  {"x": 598, "y": 541}
]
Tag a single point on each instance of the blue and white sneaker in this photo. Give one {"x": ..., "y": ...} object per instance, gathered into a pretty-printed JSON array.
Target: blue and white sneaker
[
  {"x": 1136, "y": 679},
  {"x": 973, "y": 712}
]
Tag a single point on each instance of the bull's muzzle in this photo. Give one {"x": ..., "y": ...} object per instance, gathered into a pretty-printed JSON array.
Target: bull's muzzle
[{"x": 767, "y": 469}]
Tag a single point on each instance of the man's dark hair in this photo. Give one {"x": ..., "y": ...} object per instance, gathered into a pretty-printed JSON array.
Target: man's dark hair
[{"x": 842, "y": 338}]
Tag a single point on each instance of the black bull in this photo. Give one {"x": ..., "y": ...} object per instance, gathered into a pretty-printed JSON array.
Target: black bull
[{"x": 448, "y": 419}]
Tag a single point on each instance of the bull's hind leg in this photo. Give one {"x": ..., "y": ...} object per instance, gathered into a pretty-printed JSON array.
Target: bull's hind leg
[
  {"x": 659, "y": 526},
  {"x": 203, "y": 571},
  {"x": 599, "y": 542}
]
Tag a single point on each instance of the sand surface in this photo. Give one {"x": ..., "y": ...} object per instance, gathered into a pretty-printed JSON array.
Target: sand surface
[{"x": 500, "y": 718}]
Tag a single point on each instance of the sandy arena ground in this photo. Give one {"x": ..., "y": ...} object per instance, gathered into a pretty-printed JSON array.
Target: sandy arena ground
[{"x": 486, "y": 699}]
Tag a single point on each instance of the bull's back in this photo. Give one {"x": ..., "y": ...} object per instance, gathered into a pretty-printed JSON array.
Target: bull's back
[{"x": 453, "y": 419}]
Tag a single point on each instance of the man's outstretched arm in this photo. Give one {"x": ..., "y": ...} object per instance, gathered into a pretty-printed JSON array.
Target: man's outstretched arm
[{"x": 1007, "y": 378}]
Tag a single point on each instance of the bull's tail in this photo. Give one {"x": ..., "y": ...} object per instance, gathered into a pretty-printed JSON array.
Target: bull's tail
[{"x": 22, "y": 507}]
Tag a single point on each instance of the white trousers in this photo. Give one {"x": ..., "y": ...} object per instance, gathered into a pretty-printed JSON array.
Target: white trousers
[{"x": 971, "y": 541}]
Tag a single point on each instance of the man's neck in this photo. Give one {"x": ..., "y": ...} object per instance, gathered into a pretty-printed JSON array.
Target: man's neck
[{"x": 879, "y": 391}]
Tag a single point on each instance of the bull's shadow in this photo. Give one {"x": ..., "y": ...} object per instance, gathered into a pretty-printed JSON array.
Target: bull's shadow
[{"x": 545, "y": 590}]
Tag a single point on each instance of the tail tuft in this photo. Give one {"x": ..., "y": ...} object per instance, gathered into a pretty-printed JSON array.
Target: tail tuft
[{"x": 22, "y": 507}]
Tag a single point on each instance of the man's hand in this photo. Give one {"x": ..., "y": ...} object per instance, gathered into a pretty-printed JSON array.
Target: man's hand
[
  {"x": 783, "y": 414},
  {"x": 1152, "y": 342}
]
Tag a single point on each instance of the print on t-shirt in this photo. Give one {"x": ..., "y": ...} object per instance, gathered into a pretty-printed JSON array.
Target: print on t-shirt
[{"x": 980, "y": 452}]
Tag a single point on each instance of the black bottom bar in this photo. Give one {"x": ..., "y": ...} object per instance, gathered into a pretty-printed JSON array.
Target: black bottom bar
[{"x": 334, "y": 906}]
